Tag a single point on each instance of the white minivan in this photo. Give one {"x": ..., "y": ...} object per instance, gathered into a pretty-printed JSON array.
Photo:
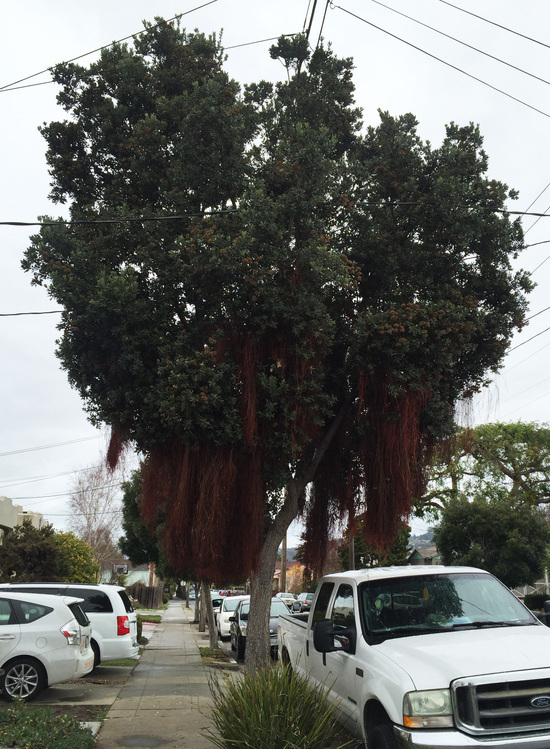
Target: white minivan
[{"x": 109, "y": 609}]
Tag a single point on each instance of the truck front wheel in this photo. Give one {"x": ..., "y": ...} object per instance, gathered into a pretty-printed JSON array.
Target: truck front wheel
[{"x": 382, "y": 737}]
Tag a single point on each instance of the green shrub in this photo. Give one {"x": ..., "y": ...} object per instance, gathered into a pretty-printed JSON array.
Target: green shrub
[
  {"x": 535, "y": 601},
  {"x": 272, "y": 709},
  {"x": 39, "y": 728}
]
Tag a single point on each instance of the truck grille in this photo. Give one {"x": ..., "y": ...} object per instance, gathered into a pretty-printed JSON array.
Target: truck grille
[{"x": 507, "y": 705}]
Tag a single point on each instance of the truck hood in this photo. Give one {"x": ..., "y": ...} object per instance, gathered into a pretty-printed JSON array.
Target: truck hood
[{"x": 433, "y": 660}]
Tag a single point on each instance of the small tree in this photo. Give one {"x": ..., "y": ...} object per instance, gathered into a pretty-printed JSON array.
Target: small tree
[
  {"x": 95, "y": 509},
  {"x": 78, "y": 562},
  {"x": 43, "y": 555}
]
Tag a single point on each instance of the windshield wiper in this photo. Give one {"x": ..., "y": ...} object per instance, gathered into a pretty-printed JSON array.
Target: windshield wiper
[{"x": 488, "y": 624}]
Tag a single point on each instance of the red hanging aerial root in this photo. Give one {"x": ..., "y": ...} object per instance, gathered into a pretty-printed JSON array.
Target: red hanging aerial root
[
  {"x": 212, "y": 501},
  {"x": 115, "y": 449},
  {"x": 391, "y": 455}
]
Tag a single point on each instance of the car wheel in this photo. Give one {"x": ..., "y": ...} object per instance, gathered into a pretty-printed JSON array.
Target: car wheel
[
  {"x": 97, "y": 658},
  {"x": 240, "y": 648},
  {"x": 24, "y": 678},
  {"x": 382, "y": 737}
]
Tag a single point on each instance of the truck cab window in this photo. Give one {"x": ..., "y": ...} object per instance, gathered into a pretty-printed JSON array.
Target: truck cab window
[
  {"x": 343, "y": 611},
  {"x": 321, "y": 605}
]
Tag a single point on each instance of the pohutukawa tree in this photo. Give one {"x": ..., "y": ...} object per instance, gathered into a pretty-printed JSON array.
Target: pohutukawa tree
[{"x": 279, "y": 302}]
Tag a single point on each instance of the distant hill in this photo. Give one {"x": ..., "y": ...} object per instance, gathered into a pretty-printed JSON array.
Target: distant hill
[{"x": 422, "y": 540}]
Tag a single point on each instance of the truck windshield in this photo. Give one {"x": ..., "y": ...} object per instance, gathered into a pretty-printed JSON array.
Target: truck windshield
[{"x": 436, "y": 603}]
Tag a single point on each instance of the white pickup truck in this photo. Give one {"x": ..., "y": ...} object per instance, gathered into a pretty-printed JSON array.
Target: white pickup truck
[{"x": 426, "y": 656}]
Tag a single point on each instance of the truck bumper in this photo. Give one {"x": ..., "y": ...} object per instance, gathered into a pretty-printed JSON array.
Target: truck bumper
[{"x": 456, "y": 740}]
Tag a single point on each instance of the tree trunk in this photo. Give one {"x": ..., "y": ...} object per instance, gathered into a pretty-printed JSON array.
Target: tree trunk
[
  {"x": 257, "y": 654},
  {"x": 202, "y": 607},
  {"x": 209, "y": 612},
  {"x": 282, "y": 586},
  {"x": 197, "y": 599}
]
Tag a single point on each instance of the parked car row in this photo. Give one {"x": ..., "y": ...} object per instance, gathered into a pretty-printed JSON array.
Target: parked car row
[
  {"x": 238, "y": 623},
  {"x": 52, "y": 632}
]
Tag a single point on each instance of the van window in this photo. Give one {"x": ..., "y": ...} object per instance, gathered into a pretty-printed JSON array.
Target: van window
[
  {"x": 126, "y": 601},
  {"x": 95, "y": 601}
]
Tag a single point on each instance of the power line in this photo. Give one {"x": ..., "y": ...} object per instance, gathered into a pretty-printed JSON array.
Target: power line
[
  {"x": 22, "y": 314},
  {"x": 47, "y": 447},
  {"x": 120, "y": 220},
  {"x": 439, "y": 59},
  {"x": 459, "y": 41},
  {"x": 528, "y": 340},
  {"x": 8, "y": 86},
  {"x": 493, "y": 23}
]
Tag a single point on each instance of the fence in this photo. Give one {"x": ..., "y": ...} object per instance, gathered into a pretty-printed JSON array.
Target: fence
[{"x": 149, "y": 598}]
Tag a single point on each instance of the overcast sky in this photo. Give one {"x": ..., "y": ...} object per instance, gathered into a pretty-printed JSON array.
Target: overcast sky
[{"x": 485, "y": 62}]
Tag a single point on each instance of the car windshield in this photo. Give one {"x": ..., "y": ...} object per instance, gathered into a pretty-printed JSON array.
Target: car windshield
[
  {"x": 420, "y": 604},
  {"x": 230, "y": 604},
  {"x": 278, "y": 608}
]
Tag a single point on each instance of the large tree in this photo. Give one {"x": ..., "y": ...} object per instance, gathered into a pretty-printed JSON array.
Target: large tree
[
  {"x": 507, "y": 537},
  {"x": 312, "y": 326},
  {"x": 496, "y": 461}
]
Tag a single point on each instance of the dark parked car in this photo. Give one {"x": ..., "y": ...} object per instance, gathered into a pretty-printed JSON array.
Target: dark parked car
[
  {"x": 303, "y": 602},
  {"x": 238, "y": 623}
]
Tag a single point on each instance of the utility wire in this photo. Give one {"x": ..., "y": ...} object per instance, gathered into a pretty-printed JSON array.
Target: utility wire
[
  {"x": 21, "y": 314},
  {"x": 47, "y": 447},
  {"x": 8, "y": 86},
  {"x": 459, "y": 41},
  {"x": 528, "y": 340},
  {"x": 493, "y": 23},
  {"x": 121, "y": 220},
  {"x": 439, "y": 59}
]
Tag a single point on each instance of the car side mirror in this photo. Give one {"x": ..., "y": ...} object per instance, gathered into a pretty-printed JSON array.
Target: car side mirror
[
  {"x": 327, "y": 639},
  {"x": 232, "y": 619}
]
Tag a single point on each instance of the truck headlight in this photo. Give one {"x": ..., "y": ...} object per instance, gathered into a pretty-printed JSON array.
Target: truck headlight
[{"x": 431, "y": 708}]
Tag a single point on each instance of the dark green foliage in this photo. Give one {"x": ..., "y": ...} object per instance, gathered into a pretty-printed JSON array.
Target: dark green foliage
[
  {"x": 273, "y": 709},
  {"x": 30, "y": 554},
  {"x": 141, "y": 543},
  {"x": 39, "y": 728},
  {"x": 504, "y": 536},
  {"x": 535, "y": 601},
  {"x": 368, "y": 555}
]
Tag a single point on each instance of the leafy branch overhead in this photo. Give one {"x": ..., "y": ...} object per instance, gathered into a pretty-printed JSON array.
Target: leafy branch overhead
[{"x": 322, "y": 330}]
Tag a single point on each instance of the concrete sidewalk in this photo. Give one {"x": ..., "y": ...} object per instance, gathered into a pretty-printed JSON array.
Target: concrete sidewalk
[{"x": 166, "y": 700}]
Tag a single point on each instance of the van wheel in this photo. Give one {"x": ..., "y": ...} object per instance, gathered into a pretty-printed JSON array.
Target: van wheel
[
  {"x": 382, "y": 737},
  {"x": 97, "y": 658},
  {"x": 23, "y": 678}
]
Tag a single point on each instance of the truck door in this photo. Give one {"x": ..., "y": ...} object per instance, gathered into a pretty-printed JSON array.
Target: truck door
[
  {"x": 341, "y": 666},
  {"x": 337, "y": 670}
]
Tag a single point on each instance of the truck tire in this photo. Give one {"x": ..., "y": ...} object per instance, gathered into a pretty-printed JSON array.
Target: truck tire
[{"x": 382, "y": 737}]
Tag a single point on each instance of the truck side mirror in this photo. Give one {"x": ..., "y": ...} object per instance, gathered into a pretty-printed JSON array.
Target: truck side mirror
[{"x": 325, "y": 637}]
